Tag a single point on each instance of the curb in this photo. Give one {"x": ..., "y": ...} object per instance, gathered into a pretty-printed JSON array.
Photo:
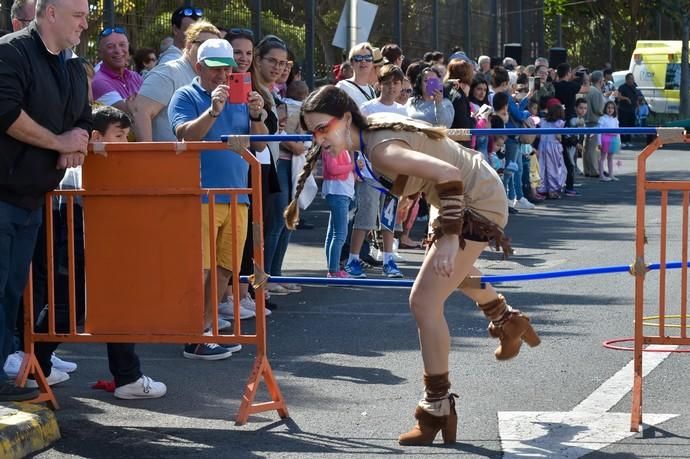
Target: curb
[{"x": 26, "y": 428}]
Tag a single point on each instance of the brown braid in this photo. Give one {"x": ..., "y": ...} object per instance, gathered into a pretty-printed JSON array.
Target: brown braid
[
  {"x": 291, "y": 213},
  {"x": 434, "y": 133}
]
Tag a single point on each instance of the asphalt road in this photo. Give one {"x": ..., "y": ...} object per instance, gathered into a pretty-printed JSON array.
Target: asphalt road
[{"x": 348, "y": 363}]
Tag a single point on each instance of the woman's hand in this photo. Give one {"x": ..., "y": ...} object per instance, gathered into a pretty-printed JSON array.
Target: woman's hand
[
  {"x": 447, "y": 248},
  {"x": 438, "y": 96}
]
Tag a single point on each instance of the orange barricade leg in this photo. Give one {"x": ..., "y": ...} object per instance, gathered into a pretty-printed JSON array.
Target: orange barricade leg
[
  {"x": 262, "y": 369},
  {"x": 31, "y": 367}
]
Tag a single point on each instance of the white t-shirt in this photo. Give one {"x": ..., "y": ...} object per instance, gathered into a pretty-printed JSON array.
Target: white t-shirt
[
  {"x": 159, "y": 85},
  {"x": 375, "y": 106},
  {"x": 360, "y": 94}
]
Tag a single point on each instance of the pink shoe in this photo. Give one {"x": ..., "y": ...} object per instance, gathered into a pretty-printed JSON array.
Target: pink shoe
[{"x": 343, "y": 274}]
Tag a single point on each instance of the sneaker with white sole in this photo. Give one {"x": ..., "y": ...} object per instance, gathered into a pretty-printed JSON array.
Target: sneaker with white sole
[
  {"x": 355, "y": 269},
  {"x": 12, "y": 364},
  {"x": 205, "y": 351},
  {"x": 143, "y": 387},
  {"x": 55, "y": 377},
  {"x": 226, "y": 311},
  {"x": 391, "y": 271},
  {"x": 249, "y": 304},
  {"x": 232, "y": 347},
  {"x": 62, "y": 365},
  {"x": 523, "y": 203},
  {"x": 292, "y": 288},
  {"x": 277, "y": 289}
]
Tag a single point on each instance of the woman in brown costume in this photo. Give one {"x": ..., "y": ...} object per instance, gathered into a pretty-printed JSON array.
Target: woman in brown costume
[{"x": 404, "y": 157}]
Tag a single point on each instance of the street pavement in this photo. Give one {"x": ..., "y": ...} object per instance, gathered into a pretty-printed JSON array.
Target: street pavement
[{"x": 347, "y": 358}]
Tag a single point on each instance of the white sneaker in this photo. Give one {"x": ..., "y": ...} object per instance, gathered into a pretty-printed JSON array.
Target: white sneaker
[
  {"x": 292, "y": 288},
  {"x": 248, "y": 303},
  {"x": 512, "y": 203},
  {"x": 277, "y": 289},
  {"x": 56, "y": 377},
  {"x": 604, "y": 178},
  {"x": 12, "y": 364},
  {"x": 62, "y": 365},
  {"x": 226, "y": 311},
  {"x": 224, "y": 324},
  {"x": 523, "y": 203},
  {"x": 143, "y": 387}
]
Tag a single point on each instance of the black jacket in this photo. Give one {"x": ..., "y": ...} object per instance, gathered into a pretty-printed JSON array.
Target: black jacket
[{"x": 53, "y": 91}]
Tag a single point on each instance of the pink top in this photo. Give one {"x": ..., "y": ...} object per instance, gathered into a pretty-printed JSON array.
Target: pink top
[
  {"x": 107, "y": 81},
  {"x": 337, "y": 167}
]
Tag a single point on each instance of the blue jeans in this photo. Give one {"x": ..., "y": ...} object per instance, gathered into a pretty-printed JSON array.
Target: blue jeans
[
  {"x": 336, "y": 234},
  {"x": 18, "y": 231},
  {"x": 278, "y": 235},
  {"x": 512, "y": 178}
]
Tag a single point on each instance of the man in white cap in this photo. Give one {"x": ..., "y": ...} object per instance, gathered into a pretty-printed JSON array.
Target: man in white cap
[{"x": 201, "y": 111}]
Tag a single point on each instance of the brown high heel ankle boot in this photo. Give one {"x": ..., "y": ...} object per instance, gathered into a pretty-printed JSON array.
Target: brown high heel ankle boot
[
  {"x": 510, "y": 326},
  {"x": 434, "y": 413}
]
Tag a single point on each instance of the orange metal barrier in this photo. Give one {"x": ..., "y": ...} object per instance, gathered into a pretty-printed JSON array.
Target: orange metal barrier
[
  {"x": 143, "y": 260},
  {"x": 663, "y": 332}
]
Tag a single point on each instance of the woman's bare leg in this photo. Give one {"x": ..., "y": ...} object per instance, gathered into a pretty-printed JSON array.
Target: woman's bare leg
[{"x": 428, "y": 295}]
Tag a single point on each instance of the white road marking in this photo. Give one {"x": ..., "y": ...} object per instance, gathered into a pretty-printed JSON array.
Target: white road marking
[{"x": 588, "y": 427}]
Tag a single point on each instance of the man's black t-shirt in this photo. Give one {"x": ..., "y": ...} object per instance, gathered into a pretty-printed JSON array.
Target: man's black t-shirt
[
  {"x": 631, "y": 92},
  {"x": 566, "y": 92}
]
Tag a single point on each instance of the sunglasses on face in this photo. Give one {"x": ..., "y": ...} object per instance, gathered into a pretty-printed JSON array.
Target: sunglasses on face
[
  {"x": 406, "y": 91},
  {"x": 362, "y": 58},
  {"x": 110, "y": 30},
  {"x": 324, "y": 129},
  {"x": 191, "y": 12}
]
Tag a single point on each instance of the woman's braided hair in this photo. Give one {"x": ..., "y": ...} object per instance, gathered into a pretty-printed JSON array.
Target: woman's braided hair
[{"x": 333, "y": 101}]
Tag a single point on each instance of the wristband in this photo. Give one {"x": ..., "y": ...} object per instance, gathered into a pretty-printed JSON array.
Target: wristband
[
  {"x": 212, "y": 114},
  {"x": 258, "y": 119},
  {"x": 452, "y": 207}
]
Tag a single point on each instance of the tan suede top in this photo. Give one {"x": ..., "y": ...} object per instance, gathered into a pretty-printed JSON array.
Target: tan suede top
[{"x": 484, "y": 191}]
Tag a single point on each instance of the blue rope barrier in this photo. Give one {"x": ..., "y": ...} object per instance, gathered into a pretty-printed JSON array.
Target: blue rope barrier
[
  {"x": 489, "y": 279},
  {"x": 567, "y": 131},
  {"x": 272, "y": 138}
]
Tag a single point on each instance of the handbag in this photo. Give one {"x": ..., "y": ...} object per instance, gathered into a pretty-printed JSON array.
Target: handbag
[{"x": 310, "y": 187}]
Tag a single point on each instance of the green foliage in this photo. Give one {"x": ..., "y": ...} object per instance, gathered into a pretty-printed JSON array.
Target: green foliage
[{"x": 585, "y": 27}]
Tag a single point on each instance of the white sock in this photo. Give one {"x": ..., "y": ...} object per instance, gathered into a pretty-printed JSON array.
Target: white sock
[
  {"x": 387, "y": 256},
  {"x": 353, "y": 256}
]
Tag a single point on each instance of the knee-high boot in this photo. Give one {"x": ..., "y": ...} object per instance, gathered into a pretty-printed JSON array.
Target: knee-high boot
[
  {"x": 510, "y": 326},
  {"x": 434, "y": 413}
]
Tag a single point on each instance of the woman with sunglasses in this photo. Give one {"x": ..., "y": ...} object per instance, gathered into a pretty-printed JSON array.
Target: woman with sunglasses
[
  {"x": 361, "y": 58},
  {"x": 270, "y": 59},
  {"x": 408, "y": 157}
]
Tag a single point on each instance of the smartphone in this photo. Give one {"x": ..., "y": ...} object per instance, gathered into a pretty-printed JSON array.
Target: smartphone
[
  {"x": 433, "y": 85},
  {"x": 537, "y": 84},
  {"x": 240, "y": 85},
  {"x": 531, "y": 84}
]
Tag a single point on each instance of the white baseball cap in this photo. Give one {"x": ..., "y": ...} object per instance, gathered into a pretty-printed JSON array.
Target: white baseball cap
[{"x": 216, "y": 52}]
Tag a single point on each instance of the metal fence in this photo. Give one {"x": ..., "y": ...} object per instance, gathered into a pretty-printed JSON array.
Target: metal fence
[{"x": 477, "y": 26}]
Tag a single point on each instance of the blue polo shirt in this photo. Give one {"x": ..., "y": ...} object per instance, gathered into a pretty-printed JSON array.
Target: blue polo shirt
[{"x": 219, "y": 168}]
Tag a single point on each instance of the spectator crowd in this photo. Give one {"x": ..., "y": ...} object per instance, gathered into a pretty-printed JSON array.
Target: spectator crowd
[{"x": 183, "y": 92}]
